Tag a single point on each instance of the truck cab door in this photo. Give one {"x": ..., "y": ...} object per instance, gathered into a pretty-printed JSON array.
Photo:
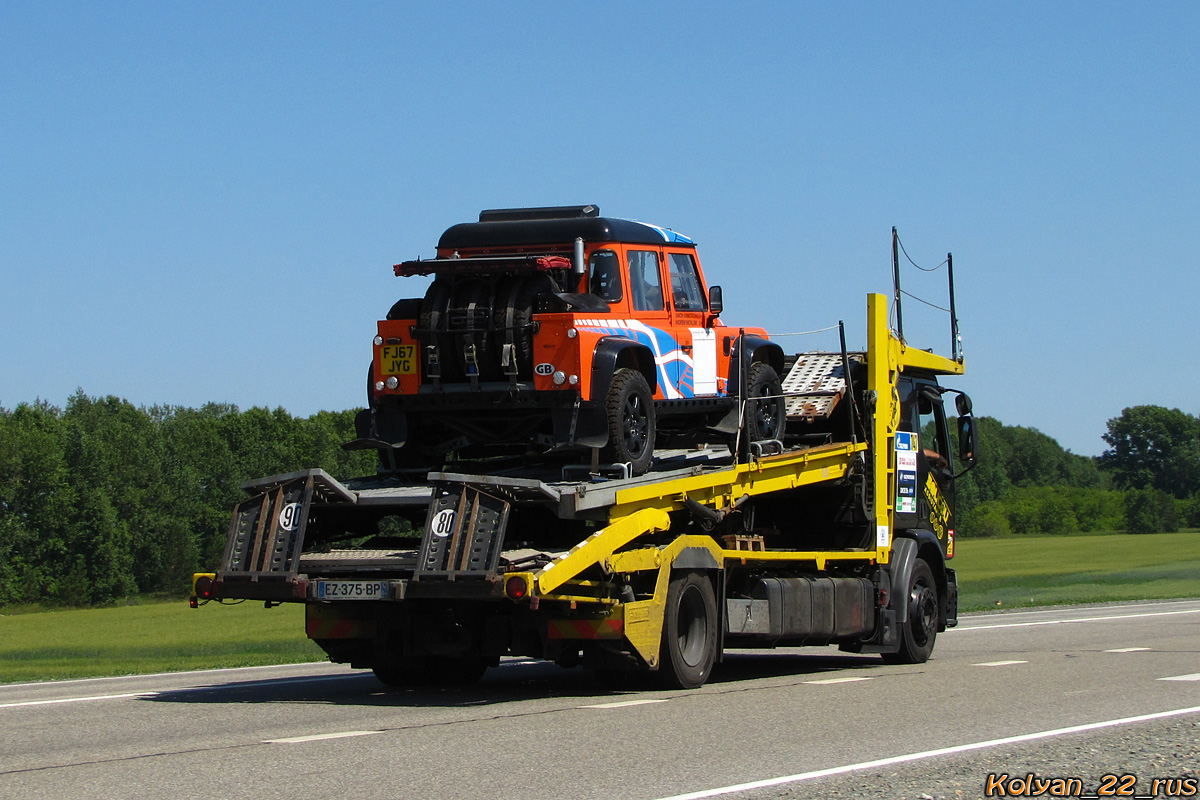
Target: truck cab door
[{"x": 924, "y": 476}]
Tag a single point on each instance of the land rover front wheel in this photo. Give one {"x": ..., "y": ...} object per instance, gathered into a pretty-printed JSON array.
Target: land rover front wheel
[{"x": 631, "y": 425}]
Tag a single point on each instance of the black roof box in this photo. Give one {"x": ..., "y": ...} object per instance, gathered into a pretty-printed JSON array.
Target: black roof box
[{"x": 547, "y": 212}]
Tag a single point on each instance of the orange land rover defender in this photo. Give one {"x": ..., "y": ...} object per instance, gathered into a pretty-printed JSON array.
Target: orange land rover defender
[{"x": 557, "y": 329}]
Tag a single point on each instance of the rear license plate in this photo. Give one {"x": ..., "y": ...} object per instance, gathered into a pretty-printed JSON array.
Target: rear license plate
[
  {"x": 351, "y": 590},
  {"x": 398, "y": 359}
]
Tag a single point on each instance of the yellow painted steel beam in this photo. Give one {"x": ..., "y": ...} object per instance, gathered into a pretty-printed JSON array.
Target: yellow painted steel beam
[
  {"x": 882, "y": 370},
  {"x": 818, "y": 557},
  {"x": 597, "y": 548},
  {"x": 720, "y": 488},
  {"x": 911, "y": 358},
  {"x": 639, "y": 560},
  {"x": 579, "y": 599}
]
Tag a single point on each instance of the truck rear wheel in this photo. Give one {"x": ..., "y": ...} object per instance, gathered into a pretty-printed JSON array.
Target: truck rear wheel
[
  {"x": 689, "y": 643},
  {"x": 918, "y": 634},
  {"x": 631, "y": 423}
]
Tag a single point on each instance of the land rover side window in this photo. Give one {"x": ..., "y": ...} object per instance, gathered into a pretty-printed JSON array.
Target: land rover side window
[
  {"x": 685, "y": 283},
  {"x": 605, "y": 269},
  {"x": 644, "y": 282}
]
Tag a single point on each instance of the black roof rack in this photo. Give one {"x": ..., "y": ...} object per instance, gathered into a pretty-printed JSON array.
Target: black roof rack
[{"x": 546, "y": 212}]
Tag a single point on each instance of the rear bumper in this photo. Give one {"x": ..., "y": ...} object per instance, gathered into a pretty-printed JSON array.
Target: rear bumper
[{"x": 504, "y": 415}]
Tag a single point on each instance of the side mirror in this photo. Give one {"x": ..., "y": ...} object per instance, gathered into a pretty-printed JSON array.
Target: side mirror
[
  {"x": 963, "y": 404},
  {"x": 715, "y": 306},
  {"x": 967, "y": 445}
]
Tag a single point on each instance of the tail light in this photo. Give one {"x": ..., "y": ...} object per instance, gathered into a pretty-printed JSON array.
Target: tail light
[
  {"x": 516, "y": 587},
  {"x": 204, "y": 587}
]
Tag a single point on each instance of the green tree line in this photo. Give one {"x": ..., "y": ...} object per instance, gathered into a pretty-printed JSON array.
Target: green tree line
[
  {"x": 103, "y": 500},
  {"x": 1147, "y": 481}
]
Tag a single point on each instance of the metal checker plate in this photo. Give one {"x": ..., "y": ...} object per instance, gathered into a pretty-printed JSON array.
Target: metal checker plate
[{"x": 814, "y": 385}]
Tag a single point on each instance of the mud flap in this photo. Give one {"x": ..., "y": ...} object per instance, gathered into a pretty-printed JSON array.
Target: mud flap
[
  {"x": 951, "y": 599},
  {"x": 379, "y": 429},
  {"x": 582, "y": 425}
]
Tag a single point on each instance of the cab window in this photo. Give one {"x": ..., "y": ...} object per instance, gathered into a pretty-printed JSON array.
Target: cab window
[
  {"x": 931, "y": 423},
  {"x": 645, "y": 285},
  {"x": 685, "y": 283},
  {"x": 605, "y": 269}
]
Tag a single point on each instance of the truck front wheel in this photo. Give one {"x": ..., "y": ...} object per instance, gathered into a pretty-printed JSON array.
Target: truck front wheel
[
  {"x": 689, "y": 643},
  {"x": 918, "y": 634}
]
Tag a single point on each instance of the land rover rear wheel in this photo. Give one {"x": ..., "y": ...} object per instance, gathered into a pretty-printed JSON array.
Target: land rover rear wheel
[{"x": 766, "y": 412}]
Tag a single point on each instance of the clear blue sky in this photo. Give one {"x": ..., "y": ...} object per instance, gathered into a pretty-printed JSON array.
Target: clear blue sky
[{"x": 202, "y": 201}]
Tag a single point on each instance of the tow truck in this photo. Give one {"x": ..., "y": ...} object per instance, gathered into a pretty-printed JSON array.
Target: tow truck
[{"x": 838, "y": 531}]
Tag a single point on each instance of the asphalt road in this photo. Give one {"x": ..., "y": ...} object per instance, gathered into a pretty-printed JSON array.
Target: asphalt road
[{"x": 1075, "y": 692}]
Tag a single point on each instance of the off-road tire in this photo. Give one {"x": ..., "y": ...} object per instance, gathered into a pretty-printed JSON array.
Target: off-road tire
[
  {"x": 435, "y": 308},
  {"x": 514, "y": 306},
  {"x": 473, "y": 302},
  {"x": 765, "y": 418},
  {"x": 631, "y": 421}
]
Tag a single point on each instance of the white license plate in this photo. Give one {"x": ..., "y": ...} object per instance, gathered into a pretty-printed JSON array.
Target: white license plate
[{"x": 351, "y": 590}]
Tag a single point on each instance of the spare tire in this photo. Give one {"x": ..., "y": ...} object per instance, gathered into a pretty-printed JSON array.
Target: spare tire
[
  {"x": 470, "y": 322},
  {"x": 432, "y": 325},
  {"x": 512, "y": 318}
]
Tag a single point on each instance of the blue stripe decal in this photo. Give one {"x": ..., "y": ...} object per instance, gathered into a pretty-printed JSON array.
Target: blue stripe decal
[{"x": 668, "y": 236}]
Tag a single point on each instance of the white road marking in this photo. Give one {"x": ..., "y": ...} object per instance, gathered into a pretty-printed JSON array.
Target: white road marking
[
  {"x": 320, "y": 737},
  {"x": 1127, "y": 650},
  {"x": 1195, "y": 676},
  {"x": 164, "y": 674},
  {"x": 999, "y": 663},
  {"x": 625, "y": 704},
  {"x": 184, "y": 690},
  {"x": 76, "y": 699},
  {"x": 1070, "y": 621},
  {"x": 945, "y": 751},
  {"x": 836, "y": 680}
]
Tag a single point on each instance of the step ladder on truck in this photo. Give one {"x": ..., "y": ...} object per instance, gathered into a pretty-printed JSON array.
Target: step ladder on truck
[{"x": 841, "y": 533}]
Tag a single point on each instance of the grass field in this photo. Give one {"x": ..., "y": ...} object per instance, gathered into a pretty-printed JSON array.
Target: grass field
[
  {"x": 149, "y": 637},
  {"x": 168, "y": 636},
  {"x": 1053, "y": 570}
]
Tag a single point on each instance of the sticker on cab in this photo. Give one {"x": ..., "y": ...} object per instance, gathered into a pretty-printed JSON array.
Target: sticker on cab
[{"x": 906, "y": 473}]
